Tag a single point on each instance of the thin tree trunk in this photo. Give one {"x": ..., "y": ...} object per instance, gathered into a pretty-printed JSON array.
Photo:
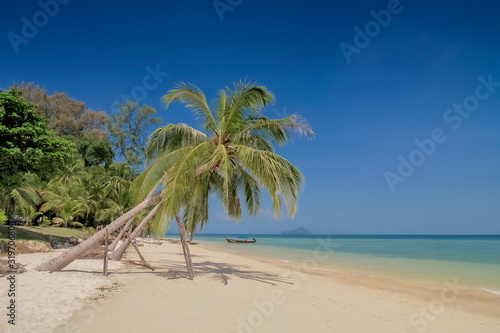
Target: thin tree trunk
[
  {"x": 185, "y": 247},
  {"x": 144, "y": 262},
  {"x": 118, "y": 253},
  {"x": 63, "y": 260},
  {"x": 191, "y": 237},
  {"x": 120, "y": 235},
  {"x": 105, "y": 267}
]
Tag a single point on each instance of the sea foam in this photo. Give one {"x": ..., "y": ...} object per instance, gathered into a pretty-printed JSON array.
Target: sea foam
[{"x": 496, "y": 292}]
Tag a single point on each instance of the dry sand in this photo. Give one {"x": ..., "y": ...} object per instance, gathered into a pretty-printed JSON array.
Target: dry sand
[
  {"x": 233, "y": 293},
  {"x": 45, "y": 300}
]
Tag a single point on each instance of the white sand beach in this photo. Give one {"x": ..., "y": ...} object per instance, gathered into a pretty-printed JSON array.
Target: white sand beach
[{"x": 234, "y": 293}]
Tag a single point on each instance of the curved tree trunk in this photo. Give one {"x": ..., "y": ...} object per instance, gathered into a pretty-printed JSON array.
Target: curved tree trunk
[
  {"x": 118, "y": 254},
  {"x": 63, "y": 260},
  {"x": 185, "y": 247},
  {"x": 120, "y": 236}
]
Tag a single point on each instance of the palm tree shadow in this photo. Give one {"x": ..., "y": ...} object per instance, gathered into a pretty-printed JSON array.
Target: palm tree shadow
[
  {"x": 221, "y": 271},
  {"x": 176, "y": 269}
]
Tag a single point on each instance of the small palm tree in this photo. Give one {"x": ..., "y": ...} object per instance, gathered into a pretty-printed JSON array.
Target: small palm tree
[
  {"x": 25, "y": 199},
  {"x": 114, "y": 192},
  {"x": 233, "y": 156}
]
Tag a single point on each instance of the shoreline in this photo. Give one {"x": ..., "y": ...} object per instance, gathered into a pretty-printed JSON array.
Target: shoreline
[
  {"x": 365, "y": 264},
  {"x": 235, "y": 293},
  {"x": 423, "y": 288}
]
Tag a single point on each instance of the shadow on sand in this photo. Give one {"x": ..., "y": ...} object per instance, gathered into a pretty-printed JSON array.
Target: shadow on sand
[
  {"x": 173, "y": 270},
  {"x": 222, "y": 271}
]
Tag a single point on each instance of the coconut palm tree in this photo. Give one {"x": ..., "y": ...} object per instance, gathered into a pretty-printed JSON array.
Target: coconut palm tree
[
  {"x": 24, "y": 199},
  {"x": 65, "y": 197},
  {"x": 233, "y": 156},
  {"x": 115, "y": 201}
]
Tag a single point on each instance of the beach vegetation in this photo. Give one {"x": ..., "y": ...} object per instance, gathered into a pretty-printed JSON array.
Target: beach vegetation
[
  {"x": 3, "y": 217},
  {"x": 66, "y": 116},
  {"x": 129, "y": 130},
  {"x": 94, "y": 151},
  {"x": 26, "y": 143},
  {"x": 64, "y": 174}
]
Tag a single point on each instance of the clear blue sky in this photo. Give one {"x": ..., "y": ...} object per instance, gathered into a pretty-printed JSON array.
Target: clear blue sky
[{"x": 400, "y": 85}]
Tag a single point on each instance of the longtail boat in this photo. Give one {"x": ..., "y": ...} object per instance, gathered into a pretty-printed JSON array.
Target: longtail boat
[{"x": 242, "y": 240}]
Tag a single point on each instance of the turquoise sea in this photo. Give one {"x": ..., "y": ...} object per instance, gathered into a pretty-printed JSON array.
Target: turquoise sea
[{"x": 473, "y": 260}]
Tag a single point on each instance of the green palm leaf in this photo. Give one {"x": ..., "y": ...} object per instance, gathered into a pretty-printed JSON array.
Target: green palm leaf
[{"x": 194, "y": 99}]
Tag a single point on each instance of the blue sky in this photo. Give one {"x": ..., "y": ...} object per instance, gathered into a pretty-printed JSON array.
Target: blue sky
[{"x": 399, "y": 85}]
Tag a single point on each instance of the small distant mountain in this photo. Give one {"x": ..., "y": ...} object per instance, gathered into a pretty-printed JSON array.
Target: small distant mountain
[{"x": 298, "y": 231}]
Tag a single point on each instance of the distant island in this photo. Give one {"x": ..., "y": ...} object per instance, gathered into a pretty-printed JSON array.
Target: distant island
[{"x": 298, "y": 231}]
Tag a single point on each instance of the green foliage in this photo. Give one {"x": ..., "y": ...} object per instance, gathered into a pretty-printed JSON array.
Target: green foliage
[
  {"x": 128, "y": 129},
  {"x": 3, "y": 217},
  {"x": 233, "y": 159},
  {"x": 76, "y": 225},
  {"x": 58, "y": 220},
  {"x": 22, "y": 198},
  {"x": 25, "y": 143},
  {"x": 46, "y": 179},
  {"x": 90, "y": 196},
  {"x": 45, "y": 221},
  {"x": 66, "y": 115},
  {"x": 94, "y": 151}
]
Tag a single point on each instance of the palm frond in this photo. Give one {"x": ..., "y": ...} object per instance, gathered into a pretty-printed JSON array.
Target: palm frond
[
  {"x": 196, "y": 208},
  {"x": 181, "y": 175},
  {"x": 172, "y": 137},
  {"x": 250, "y": 189},
  {"x": 160, "y": 222},
  {"x": 194, "y": 99},
  {"x": 147, "y": 180},
  {"x": 244, "y": 100},
  {"x": 275, "y": 173},
  {"x": 279, "y": 130}
]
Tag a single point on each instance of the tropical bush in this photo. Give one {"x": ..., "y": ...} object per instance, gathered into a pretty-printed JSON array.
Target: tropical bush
[{"x": 3, "y": 217}]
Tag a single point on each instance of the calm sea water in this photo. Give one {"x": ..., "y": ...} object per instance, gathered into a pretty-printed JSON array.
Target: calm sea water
[{"x": 473, "y": 260}]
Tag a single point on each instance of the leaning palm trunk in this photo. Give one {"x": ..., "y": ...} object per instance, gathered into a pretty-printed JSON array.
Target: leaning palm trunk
[
  {"x": 58, "y": 263},
  {"x": 185, "y": 247},
  {"x": 120, "y": 236},
  {"x": 118, "y": 254}
]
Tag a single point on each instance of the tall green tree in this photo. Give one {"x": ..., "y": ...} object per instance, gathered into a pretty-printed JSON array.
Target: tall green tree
[
  {"x": 66, "y": 115},
  {"x": 26, "y": 145},
  {"x": 233, "y": 157},
  {"x": 94, "y": 151},
  {"x": 129, "y": 130}
]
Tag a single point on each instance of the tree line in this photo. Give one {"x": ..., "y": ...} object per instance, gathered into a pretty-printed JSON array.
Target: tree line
[{"x": 63, "y": 164}]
